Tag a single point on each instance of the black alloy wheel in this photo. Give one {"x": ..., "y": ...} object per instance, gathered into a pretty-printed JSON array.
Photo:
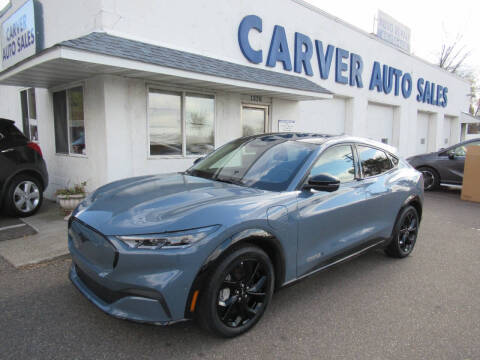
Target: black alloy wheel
[
  {"x": 238, "y": 294},
  {"x": 405, "y": 234}
]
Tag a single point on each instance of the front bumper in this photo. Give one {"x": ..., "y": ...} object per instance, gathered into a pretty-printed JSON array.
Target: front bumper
[
  {"x": 139, "y": 285},
  {"x": 122, "y": 305}
]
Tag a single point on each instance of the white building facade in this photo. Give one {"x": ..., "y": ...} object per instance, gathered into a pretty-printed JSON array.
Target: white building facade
[{"x": 117, "y": 88}]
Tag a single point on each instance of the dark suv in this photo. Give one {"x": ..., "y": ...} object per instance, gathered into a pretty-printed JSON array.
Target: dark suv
[{"x": 24, "y": 174}]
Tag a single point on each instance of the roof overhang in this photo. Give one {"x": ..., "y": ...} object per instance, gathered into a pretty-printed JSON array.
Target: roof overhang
[{"x": 61, "y": 65}]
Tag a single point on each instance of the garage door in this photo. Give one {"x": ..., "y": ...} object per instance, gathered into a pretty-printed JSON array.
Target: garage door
[
  {"x": 380, "y": 123},
  {"x": 423, "y": 120},
  {"x": 323, "y": 116},
  {"x": 448, "y": 122}
]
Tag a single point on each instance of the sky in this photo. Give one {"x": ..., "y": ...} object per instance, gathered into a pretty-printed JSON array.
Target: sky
[{"x": 430, "y": 22}]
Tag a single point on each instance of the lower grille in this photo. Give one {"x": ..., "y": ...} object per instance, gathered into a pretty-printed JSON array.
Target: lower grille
[{"x": 101, "y": 291}]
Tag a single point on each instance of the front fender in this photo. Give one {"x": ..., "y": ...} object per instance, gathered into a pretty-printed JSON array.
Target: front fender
[{"x": 265, "y": 239}]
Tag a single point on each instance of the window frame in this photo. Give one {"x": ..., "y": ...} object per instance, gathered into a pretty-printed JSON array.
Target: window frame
[
  {"x": 387, "y": 154},
  {"x": 183, "y": 93},
  {"x": 31, "y": 121},
  {"x": 66, "y": 89}
]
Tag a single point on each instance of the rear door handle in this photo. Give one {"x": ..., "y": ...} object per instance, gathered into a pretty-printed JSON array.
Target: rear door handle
[{"x": 8, "y": 150}]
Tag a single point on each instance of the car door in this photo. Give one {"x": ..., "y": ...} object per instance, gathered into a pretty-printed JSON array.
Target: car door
[
  {"x": 452, "y": 163},
  {"x": 330, "y": 224},
  {"x": 384, "y": 194}
]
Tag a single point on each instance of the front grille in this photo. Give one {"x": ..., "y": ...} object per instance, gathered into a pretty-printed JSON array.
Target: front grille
[
  {"x": 92, "y": 245},
  {"x": 101, "y": 291}
]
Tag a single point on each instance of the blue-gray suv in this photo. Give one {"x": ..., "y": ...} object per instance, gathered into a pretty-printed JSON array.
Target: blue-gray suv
[{"x": 214, "y": 242}]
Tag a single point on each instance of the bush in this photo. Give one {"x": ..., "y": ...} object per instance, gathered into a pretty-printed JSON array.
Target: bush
[{"x": 77, "y": 189}]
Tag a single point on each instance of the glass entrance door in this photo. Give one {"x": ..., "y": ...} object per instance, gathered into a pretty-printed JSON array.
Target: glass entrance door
[{"x": 254, "y": 119}]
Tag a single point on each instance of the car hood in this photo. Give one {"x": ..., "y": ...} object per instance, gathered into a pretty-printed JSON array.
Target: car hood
[{"x": 161, "y": 203}]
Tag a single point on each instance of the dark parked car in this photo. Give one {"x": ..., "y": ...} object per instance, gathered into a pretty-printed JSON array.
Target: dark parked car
[
  {"x": 23, "y": 176},
  {"x": 214, "y": 242},
  {"x": 444, "y": 167}
]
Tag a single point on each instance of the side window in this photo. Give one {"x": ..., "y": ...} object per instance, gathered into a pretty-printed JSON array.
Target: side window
[
  {"x": 462, "y": 149},
  {"x": 394, "y": 159},
  {"x": 336, "y": 161},
  {"x": 373, "y": 161}
]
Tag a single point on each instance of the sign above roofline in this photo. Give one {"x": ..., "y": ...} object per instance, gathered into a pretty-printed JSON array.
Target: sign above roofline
[{"x": 22, "y": 34}]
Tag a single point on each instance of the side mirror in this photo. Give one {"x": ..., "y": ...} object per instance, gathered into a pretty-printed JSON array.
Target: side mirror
[
  {"x": 198, "y": 160},
  {"x": 451, "y": 155},
  {"x": 323, "y": 182}
]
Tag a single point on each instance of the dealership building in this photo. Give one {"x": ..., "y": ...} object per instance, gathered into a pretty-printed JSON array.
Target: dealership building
[{"x": 119, "y": 88}]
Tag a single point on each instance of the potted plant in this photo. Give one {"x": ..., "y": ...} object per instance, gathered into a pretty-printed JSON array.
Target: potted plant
[{"x": 70, "y": 197}]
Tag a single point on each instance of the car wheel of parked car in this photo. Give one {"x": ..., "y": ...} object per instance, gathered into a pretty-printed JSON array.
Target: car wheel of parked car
[
  {"x": 404, "y": 234},
  {"x": 431, "y": 179},
  {"x": 238, "y": 292},
  {"x": 24, "y": 196}
]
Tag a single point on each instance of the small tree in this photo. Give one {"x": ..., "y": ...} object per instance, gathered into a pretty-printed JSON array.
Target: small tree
[{"x": 453, "y": 57}]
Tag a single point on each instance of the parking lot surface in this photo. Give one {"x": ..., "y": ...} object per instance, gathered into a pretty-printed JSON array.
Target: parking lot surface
[{"x": 424, "y": 307}]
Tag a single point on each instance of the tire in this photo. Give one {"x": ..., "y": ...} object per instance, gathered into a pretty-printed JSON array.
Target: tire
[
  {"x": 405, "y": 234},
  {"x": 232, "y": 301},
  {"x": 431, "y": 178},
  {"x": 24, "y": 196}
]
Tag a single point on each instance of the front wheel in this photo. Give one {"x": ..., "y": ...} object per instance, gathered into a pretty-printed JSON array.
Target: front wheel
[
  {"x": 238, "y": 293},
  {"x": 404, "y": 234}
]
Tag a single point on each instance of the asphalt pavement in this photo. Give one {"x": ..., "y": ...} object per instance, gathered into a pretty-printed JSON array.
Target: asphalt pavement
[{"x": 426, "y": 306}]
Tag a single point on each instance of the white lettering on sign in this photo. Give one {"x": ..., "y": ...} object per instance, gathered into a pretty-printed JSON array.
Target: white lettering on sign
[
  {"x": 18, "y": 38},
  {"x": 392, "y": 31}
]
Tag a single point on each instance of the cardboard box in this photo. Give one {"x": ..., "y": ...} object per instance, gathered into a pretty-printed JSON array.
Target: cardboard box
[{"x": 471, "y": 175}]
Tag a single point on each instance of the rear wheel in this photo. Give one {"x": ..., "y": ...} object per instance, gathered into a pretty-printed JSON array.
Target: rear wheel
[
  {"x": 24, "y": 196},
  {"x": 431, "y": 179},
  {"x": 238, "y": 292},
  {"x": 405, "y": 233}
]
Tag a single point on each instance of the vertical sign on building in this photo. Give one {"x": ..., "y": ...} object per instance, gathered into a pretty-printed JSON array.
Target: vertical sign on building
[
  {"x": 393, "y": 32},
  {"x": 21, "y": 35}
]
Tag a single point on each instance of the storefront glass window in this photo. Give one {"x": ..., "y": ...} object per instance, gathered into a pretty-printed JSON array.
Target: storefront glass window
[
  {"x": 180, "y": 123},
  {"x": 165, "y": 123},
  {"x": 254, "y": 120},
  {"x": 199, "y": 112},
  {"x": 76, "y": 121},
  {"x": 29, "y": 114},
  {"x": 69, "y": 121}
]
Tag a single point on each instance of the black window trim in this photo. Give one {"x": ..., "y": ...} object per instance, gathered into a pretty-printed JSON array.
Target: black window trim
[{"x": 387, "y": 153}]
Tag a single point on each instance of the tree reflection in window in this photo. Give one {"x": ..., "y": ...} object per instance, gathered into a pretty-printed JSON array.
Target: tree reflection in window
[
  {"x": 336, "y": 161},
  {"x": 374, "y": 161}
]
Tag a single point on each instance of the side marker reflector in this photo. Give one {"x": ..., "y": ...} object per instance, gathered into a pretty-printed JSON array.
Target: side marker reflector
[{"x": 194, "y": 301}]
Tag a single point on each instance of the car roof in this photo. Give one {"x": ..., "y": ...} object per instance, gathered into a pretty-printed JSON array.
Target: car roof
[{"x": 319, "y": 139}]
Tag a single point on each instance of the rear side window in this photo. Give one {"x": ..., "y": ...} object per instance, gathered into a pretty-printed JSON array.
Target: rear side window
[{"x": 374, "y": 161}]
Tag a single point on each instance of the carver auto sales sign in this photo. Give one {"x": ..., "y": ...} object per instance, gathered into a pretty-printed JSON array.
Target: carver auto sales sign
[{"x": 19, "y": 35}]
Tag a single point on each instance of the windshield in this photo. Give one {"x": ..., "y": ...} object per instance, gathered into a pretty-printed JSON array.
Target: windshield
[{"x": 267, "y": 163}]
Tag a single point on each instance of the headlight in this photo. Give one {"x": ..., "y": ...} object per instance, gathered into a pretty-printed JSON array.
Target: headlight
[{"x": 172, "y": 239}]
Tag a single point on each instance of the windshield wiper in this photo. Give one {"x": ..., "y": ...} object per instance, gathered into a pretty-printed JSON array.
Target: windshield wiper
[{"x": 229, "y": 180}]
